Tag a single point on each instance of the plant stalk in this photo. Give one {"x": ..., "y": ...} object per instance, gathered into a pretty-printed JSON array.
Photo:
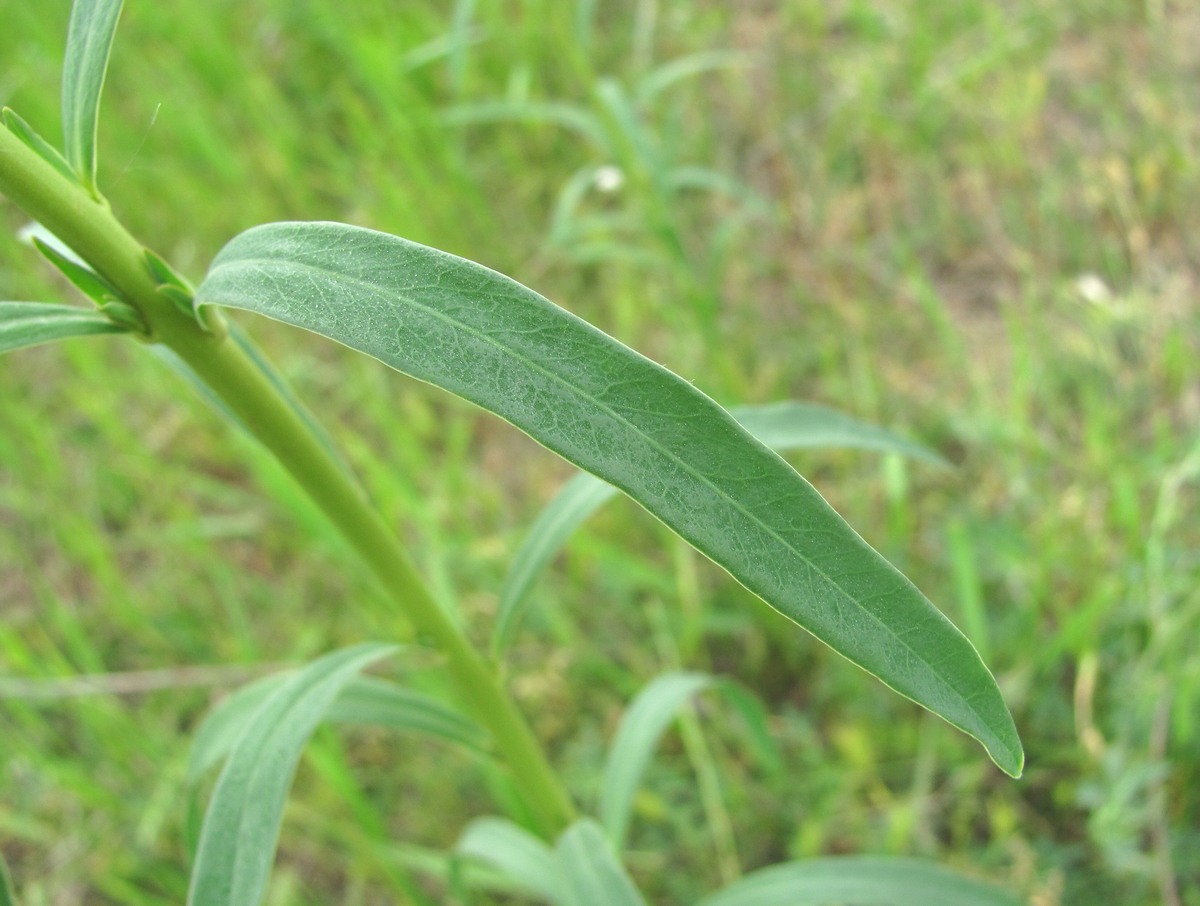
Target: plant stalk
[{"x": 91, "y": 230}]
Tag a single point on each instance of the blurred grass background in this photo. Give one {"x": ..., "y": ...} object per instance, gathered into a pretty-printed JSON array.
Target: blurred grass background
[{"x": 972, "y": 222}]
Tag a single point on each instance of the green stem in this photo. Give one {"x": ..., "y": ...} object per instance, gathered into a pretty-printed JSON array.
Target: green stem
[{"x": 90, "y": 228}]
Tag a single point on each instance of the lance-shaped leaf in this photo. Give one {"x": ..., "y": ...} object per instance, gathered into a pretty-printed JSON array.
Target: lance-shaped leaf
[
  {"x": 89, "y": 42},
  {"x": 781, "y": 426},
  {"x": 514, "y": 852},
  {"x": 615, "y": 413},
  {"x": 241, "y": 827},
  {"x": 642, "y": 726},
  {"x": 7, "y": 897},
  {"x": 859, "y": 881},
  {"x": 32, "y": 323},
  {"x": 36, "y": 143},
  {"x": 589, "y": 872}
]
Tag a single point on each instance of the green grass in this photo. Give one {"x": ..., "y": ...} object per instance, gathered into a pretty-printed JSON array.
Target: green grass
[{"x": 913, "y": 201}]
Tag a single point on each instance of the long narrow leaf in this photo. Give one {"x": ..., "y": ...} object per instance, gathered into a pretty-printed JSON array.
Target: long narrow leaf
[
  {"x": 631, "y": 422},
  {"x": 7, "y": 897},
  {"x": 36, "y": 143},
  {"x": 25, "y": 324},
  {"x": 89, "y": 43},
  {"x": 642, "y": 726},
  {"x": 514, "y": 852},
  {"x": 241, "y": 827},
  {"x": 783, "y": 426},
  {"x": 381, "y": 703},
  {"x": 859, "y": 881},
  {"x": 364, "y": 701},
  {"x": 589, "y": 871}
]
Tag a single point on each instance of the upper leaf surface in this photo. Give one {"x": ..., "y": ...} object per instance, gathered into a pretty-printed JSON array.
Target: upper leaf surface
[
  {"x": 32, "y": 323},
  {"x": 782, "y": 426},
  {"x": 624, "y": 418},
  {"x": 89, "y": 42}
]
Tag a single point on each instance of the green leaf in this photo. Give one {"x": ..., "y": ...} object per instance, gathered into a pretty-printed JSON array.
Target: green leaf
[
  {"x": 642, "y": 726},
  {"x": 515, "y": 852},
  {"x": 32, "y": 323},
  {"x": 589, "y": 871},
  {"x": 579, "y": 498},
  {"x": 381, "y": 703},
  {"x": 782, "y": 426},
  {"x": 364, "y": 701},
  {"x": 859, "y": 881},
  {"x": 89, "y": 42},
  {"x": 629, "y": 421},
  {"x": 241, "y": 827},
  {"x": 36, "y": 143},
  {"x": 81, "y": 276},
  {"x": 790, "y": 425},
  {"x": 7, "y": 896}
]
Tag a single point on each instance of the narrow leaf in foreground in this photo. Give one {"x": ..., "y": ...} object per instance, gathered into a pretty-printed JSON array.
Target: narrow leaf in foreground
[
  {"x": 89, "y": 42},
  {"x": 782, "y": 426},
  {"x": 590, "y": 872},
  {"x": 859, "y": 881},
  {"x": 629, "y": 421},
  {"x": 25, "y": 324},
  {"x": 642, "y": 726},
  {"x": 514, "y": 852},
  {"x": 241, "y": 827}
]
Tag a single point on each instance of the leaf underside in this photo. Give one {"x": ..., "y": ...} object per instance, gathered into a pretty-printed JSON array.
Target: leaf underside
[{"x": 629, "y": 421}]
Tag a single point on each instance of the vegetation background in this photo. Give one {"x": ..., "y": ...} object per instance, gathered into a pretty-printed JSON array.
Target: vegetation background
[{"x": 973, "y": 222}]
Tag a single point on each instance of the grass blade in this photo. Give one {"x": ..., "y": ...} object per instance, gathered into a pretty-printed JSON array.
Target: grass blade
[
  {"x": 241, "y": 827},
  {"x": 25, "y": 324},
  {"x": 579, "y": 498},
  {"x": 514, "y": 852},
  {"x": 89, "y": 42},
  {"x": 589, "y": 871},
  {"x": 7, "y": 896},
  {"x": 642, "y": 726},
  {"x": 613, "y": 412},
  {"x": 782, "y": 426},
  {"x": 859, "y": 881}
]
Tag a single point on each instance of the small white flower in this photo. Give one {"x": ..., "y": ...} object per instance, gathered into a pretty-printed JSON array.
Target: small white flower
[
  {"x": 1093, "y": 289},
  {"x": 609, "y": 178}
]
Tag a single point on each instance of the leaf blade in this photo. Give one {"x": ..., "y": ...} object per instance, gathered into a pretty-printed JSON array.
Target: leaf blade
[
  {"x": 602, "y": 406},
  {"x": 25, "y": 324},
  {"x": 241, "y": 827},
  {"x": 589, "y": 871},
  {"x": 89, "y": 42},
  {"x": 365, "y": 701},
  {"x": 782, "y": 426},
  {"x": 642, "y": 726},
  {"x": 859, "y": 881},
  {"x": 513, "y": 851}
]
